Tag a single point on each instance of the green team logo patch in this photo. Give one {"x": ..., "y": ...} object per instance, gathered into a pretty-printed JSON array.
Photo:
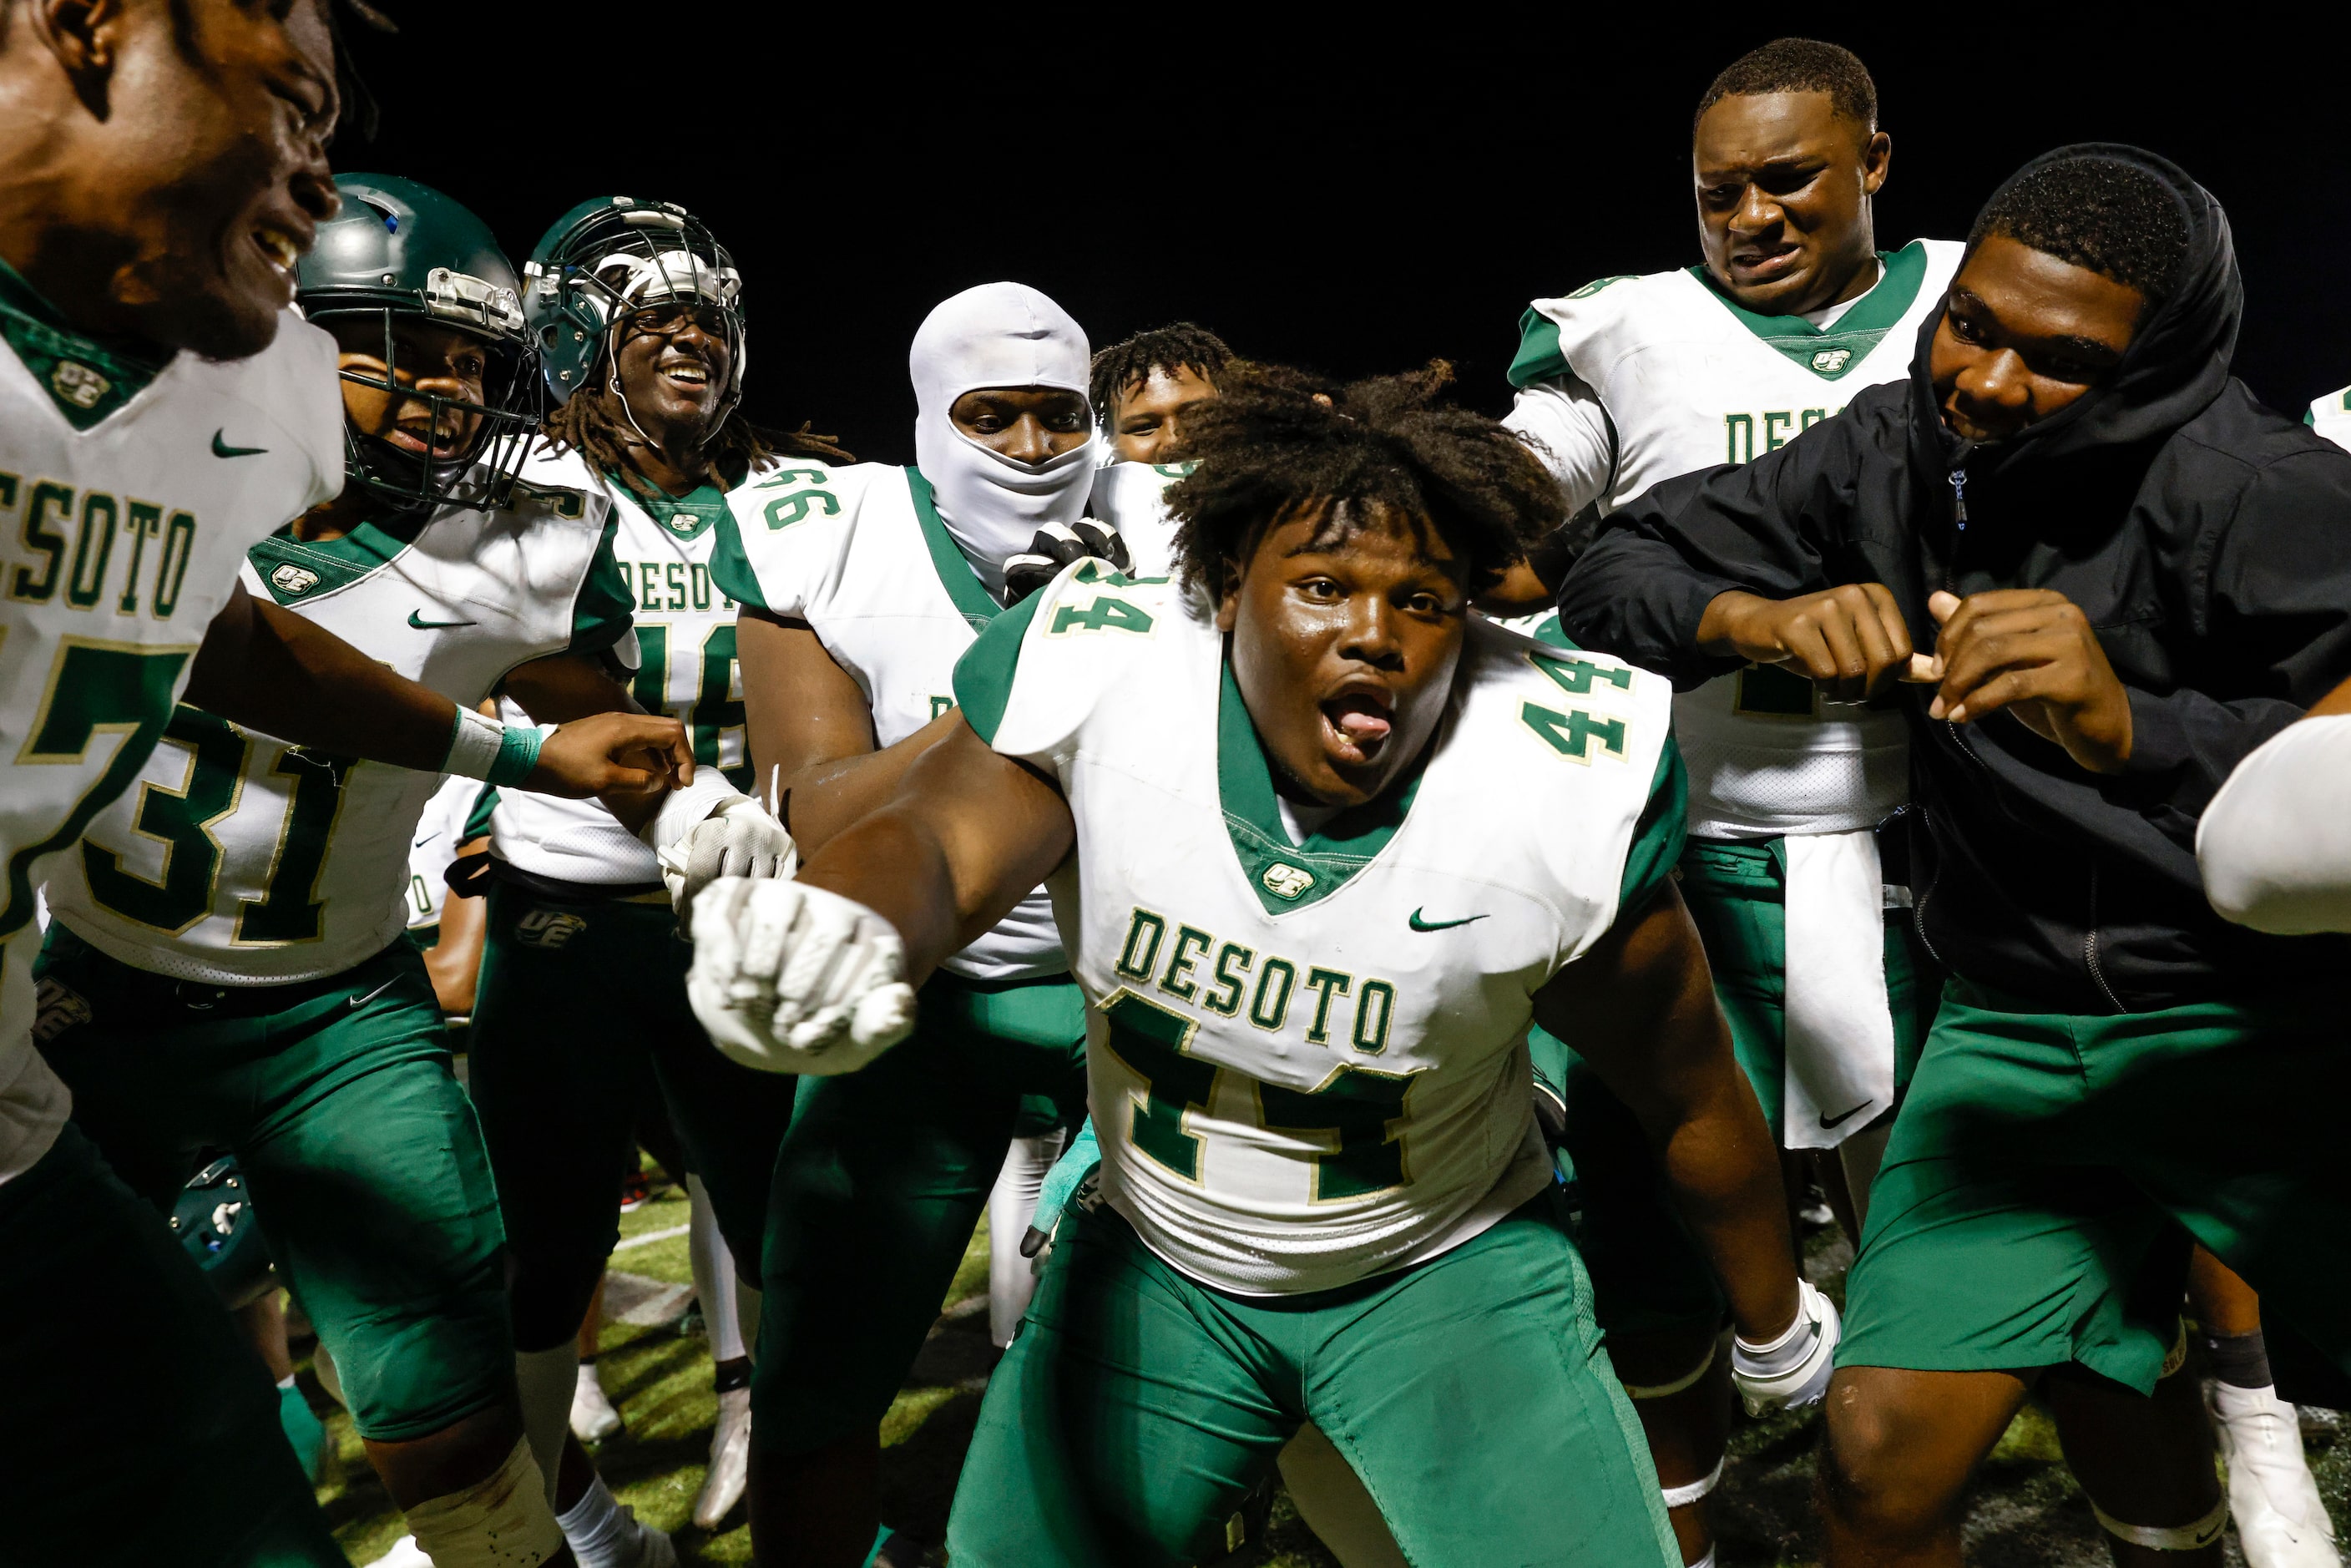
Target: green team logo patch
[
  {"x": 293, "y": 580},
  {"x": 1288, "y": 882},
  {"x": 1832, "y": 361},
  {"x": 77, "y": 384},
  {"x": 548, "y": 928}
]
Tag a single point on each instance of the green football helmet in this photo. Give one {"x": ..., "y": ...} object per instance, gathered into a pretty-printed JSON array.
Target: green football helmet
[
  {"x": 402, "y": 250},
  {"x": 610, "y": 258}
]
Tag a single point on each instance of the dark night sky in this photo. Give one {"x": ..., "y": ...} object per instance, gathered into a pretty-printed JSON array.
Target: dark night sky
[{"x": 1358, "y": 197}]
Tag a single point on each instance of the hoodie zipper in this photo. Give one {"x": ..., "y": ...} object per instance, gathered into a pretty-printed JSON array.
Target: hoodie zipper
[{"x": 2090, "y": 947}]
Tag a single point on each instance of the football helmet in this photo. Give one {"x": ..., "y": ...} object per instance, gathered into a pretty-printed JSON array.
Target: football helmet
[
  {"x": 609, "y": 258},
  {"x": 399, "y": 249}
]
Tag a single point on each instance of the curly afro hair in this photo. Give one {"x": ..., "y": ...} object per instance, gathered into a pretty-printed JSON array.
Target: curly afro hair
[
  {"x": 1180, "y": 346},
  {"x": 1281, "y": 443},
  {"x": 2104, "y": 214}
]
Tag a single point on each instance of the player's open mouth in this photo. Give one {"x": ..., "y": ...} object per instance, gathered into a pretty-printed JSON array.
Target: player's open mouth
[
  {"x": 1765, "y": 261},
  {"x": 282, "y": 250},
  {"x": 1359, "y": 725},
  {"x": 688, "y": 376},
  {"x": 422, "y": 438}
]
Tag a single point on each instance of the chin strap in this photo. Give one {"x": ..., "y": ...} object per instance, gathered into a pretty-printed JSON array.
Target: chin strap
[{"x": 2156, "y": 1538}]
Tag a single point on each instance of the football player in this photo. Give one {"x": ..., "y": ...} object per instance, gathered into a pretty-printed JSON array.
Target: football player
[
  {"x": 1629, "y": 381},
  {"x": 1142, "y": 387},
  {"x": 2088, "y": 513},
  {"x": 1285, "y": 809},
  {"x": 227, "y": 963},
  {"x": 862, "y": 586},
  {"x": 164, "y": 412},
  {"x": 582, "y": 1012}
]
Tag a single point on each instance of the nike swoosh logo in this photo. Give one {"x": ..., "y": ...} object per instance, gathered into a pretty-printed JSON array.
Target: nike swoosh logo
[
  {"x": 432, "y": 625},
  {"x": 362, "y": 1001},
  {"x": 1829, "y": 1122},
  {"x": 223, "y": 449},
  {"x": 426, "y": 840},
  {"x": 1417, "y": 923}
]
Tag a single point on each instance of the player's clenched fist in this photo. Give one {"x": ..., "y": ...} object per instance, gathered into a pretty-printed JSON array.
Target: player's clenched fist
[
  {"x": 612, "y": 753},
  {"x": 792, "y": 979},
  {"x": 1852, "y": 638}
]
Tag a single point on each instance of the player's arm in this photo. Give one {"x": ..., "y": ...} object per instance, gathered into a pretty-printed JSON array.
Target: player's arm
[
  {"x": 1562, "y": 422},
  {"x": 2276, "y": 844},
  {"x": 275, "y": 672},
  {"x": 810, "y": 730},
  {"x": 454, "y": 959},
  {"x": 816, "y": 976},
  {"x": 1640, "y": 1008}
]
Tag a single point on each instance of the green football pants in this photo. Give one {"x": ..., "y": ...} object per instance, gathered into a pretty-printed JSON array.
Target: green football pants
[
  {"x": 1737, "y": 893},
  {"x": 356, "y": 1142},
  {"x": 1470, "y": 1394},
  {"x": 579, "y": 1021},
  {"x": 2048, "y": 1170},
  {"x": 883, "y": 1178},
  {"x": 140, "y": 1429}
]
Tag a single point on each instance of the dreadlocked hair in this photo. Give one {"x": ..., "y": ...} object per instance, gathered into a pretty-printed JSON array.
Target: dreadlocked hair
[
  {"x": 585, "y": 423},
  {"x": 1179, "y": 346},
  {"x": 360, "y": 113},
  {"x": 1281, "y": 443}
]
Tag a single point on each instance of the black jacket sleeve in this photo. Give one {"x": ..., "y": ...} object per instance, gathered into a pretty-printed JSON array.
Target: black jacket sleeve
[
  {"x": 2275, "y": 607},
  {"x": 1765, "y": 527}
]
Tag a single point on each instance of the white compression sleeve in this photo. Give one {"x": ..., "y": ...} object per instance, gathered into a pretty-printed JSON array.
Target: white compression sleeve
[
  {"x": 1562, "y": 421},
  {"x": 714, "y": 1274},
  {"x": 1011, "y": 1204},
  {"x": 2275, "y": 843}
]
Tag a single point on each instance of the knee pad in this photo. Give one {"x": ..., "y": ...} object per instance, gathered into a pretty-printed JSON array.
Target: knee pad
[
  {"x": 504, "y": 1521},
  {"x": 1683, "y": 1496},
  {"x": 1638, "y": 1391},
  {"x": 2162, "y": 1537}
]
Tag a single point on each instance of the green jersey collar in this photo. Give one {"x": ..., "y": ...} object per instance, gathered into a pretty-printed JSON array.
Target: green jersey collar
[
  {"x": 686, "y": 517},
  {"x": 88, "y": 380},
  {"x": 1283, "y": 874},
  {"x": 1829, "y": 353},
  {"x": 295, "y": 570},
  {"x": 969, "y": 595}
]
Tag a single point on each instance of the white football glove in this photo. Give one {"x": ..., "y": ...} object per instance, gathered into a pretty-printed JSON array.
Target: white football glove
[
  {"x": 792, "y": 979},
  {"x": 1792, "y": 1371},
  {"x": 709, "y": 830}
]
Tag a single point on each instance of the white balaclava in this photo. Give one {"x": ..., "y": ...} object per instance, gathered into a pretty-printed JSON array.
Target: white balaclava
[{"x": 997, "y": 335}]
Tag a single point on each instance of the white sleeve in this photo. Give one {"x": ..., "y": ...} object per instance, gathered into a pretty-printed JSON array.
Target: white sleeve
[
  {"x": 1562, "y": 421},
  {"x": 2275, "y": 843}
]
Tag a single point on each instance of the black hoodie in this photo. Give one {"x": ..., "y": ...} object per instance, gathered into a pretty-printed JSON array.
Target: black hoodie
[{"x": 2206, "y": 538}]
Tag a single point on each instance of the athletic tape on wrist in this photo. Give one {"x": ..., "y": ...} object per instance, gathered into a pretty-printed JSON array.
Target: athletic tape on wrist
[
  {"x": 494, "y": 753},
  {"x": 1774, "y": 1359},
  {"x": 1668, "y": 1390},
  {"x": 1683, "y": 1496},
  {"x": 501, "y": 1522},
  {"x": 2155, "y": 1538},
  {"x": 683, "y": 811}
]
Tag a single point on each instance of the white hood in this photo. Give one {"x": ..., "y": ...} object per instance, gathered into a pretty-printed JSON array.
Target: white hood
[{"x": 997, "y": 335}]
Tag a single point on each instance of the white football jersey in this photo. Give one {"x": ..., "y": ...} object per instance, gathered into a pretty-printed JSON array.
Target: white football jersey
[
  {"x": 859, "y": 553},
  {"x": 242, "y": 860},
  {"x": 126, "y": 506},
  {"x": 1307, "y": 1061},
  {"x": 1673, "y": 377},
  {"x": 1131, "y": 497},
  {"x": 2331, "y": 417},
  {"x": 686, "y": 668},
  {"x": 440, "y": 829}
]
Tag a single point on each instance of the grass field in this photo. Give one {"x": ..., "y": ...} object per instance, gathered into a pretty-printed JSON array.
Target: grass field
[{"x": 2026, "y": 1511}]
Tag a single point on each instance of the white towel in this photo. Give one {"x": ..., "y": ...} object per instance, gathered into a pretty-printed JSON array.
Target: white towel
[{"x": 1840, "y": 1029}]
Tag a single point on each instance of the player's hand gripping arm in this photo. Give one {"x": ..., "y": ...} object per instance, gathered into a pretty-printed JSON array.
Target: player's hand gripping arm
[
  {"x": 280, "y": 674},
  {"x": 816, "y": 976},
  {"x": 1640, "y": 1008}
]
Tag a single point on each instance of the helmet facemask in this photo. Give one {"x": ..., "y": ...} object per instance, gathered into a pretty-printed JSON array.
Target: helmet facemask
[{"x": 504, "y": 421}]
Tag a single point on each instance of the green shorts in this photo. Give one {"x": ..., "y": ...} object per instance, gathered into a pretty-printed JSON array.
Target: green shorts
[
  {"x": 140, "y": 1429},
  {"x": 883, "y": 1177},
  {"x": 360, "y": 1149},
  {"x": 2048, "y": 1170},
  {"x": 1737, "y": 893},
  {"x": 1649, "y": 1274},
  {"x": 572, "y": 1038},
  {"x": 1470, "y": 1394}
]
